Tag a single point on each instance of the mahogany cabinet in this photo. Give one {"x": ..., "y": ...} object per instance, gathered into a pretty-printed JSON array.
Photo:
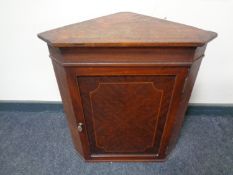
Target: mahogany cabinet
[{"x": 125, "y": 82}]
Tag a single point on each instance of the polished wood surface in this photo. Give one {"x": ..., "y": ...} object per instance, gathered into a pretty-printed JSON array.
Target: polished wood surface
[
  {"x": 125, "y": 101},
  {"x": 108, "y": 100},
  {"x": 85, "y": 80},
  {"x": 126, "y": 30}
]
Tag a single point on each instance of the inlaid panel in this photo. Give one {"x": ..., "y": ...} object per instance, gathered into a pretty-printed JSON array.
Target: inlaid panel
[{"x": 125, "y": 114}]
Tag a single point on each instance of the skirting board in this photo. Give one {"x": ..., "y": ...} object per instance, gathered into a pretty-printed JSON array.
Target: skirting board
[{"x": 35, "y": 106}]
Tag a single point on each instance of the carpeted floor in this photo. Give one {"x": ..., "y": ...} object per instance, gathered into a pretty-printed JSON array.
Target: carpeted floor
[{"x": 38, "y": 143}]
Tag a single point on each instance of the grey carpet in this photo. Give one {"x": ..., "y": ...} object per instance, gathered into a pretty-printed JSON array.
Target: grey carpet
[{"x": 38, "y": 143}]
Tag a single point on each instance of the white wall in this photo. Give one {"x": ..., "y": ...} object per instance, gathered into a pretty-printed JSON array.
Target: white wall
[{"x": 26, "y": 72}]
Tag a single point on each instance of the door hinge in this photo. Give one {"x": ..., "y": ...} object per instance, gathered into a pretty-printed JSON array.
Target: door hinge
[{"x": 185, "y": 82}]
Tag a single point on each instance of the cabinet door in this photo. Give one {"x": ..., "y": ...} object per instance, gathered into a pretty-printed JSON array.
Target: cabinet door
[
  {"x": 127, "y": 113},
  {"x": 123, "y": 113}
]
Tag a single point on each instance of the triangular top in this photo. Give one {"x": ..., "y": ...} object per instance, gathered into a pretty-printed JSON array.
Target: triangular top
[{"x": 126, "y": 30}]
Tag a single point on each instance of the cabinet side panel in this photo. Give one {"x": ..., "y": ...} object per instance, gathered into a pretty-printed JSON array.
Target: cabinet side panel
[
  {"x": 67, "y": 104},
  {"x": 184, "y": 103}
]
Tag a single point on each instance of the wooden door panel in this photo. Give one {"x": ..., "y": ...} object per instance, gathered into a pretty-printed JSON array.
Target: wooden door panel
[
  {"x": 125, "y": 114},
  {"x": 120, "y": 110}
]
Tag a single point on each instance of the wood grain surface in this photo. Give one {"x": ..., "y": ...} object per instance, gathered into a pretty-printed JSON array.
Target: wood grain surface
[
  {"x": 126, "y": 29},
  {"x": 125, "y": 82}
]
